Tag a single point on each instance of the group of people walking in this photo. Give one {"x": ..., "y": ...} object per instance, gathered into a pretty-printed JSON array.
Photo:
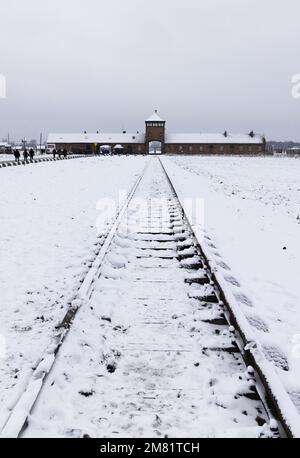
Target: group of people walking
[
  {"x": 60, "y": 153},
  {"x": 27, "y": 155}
]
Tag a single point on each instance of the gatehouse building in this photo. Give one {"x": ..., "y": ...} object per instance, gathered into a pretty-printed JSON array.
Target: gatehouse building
[{"x": 157, "y": 139}]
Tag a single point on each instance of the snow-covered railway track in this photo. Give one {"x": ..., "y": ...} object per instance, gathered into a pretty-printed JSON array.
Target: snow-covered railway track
[
  {"x": 151, "y": 346},
  {"x": 18, "y": 415}
]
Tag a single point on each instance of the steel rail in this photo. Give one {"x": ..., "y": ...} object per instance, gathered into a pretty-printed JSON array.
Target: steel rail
[
  {"x": 17, "y": 419},
  {"x": 269, "y": 387}
]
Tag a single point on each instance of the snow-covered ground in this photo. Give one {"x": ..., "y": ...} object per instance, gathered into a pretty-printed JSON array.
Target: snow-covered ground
[
  {"x": 142, "y": 358},
  {"x": 48, "y": 239},
  {"x": 48, "y": 236},
  {"x": 252, "y": 228}
]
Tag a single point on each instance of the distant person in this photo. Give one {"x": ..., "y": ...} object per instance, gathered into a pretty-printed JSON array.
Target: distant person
[
  {"x": 31, "y": 154},
  {"x": 17, "y": 156},
  {"x": 25, "y": 155},
  {"x": 59, "y": 153},
  {"x": 65, "y": 153},
  {"x": 54, "y": 153}
]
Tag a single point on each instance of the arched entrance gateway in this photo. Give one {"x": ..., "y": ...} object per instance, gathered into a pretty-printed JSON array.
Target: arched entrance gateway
[
  {"x": 155, "y": 147},
  {"x": 155, "y": 134}
]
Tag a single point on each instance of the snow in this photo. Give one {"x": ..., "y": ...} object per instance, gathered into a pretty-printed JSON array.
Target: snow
[
  {"x": 48, "y": 239},
  {"x": 116, "y": 138},
  {"x": 155, "y": 118},
  {"x": 251, "y": 232},
  {"x": 121, "y": 138},
  {"x": 137, "y": 361},
  {"x": 203, "y": 138},
  {"x": 140, "y": 357}
]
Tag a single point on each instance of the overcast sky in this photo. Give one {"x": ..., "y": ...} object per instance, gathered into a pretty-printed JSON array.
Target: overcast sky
[{"x": 207, "y": 65}]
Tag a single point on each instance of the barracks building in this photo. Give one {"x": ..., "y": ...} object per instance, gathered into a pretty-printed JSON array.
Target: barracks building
[{"x": 157, "y": 139}]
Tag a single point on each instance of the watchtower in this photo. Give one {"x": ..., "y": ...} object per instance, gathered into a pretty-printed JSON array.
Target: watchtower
[{"x": 155, "y": 132}]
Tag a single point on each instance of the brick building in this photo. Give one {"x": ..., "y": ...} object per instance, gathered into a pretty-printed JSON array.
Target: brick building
[{"x": 157, "y": 139}]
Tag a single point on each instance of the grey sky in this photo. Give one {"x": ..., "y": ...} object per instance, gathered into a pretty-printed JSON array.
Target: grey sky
[{"x": 207, "y": 65}]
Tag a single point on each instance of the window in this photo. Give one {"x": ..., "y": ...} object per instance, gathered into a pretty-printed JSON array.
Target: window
[
  {"x": 221, "y": 148},
  {"x": 201, "y": 148},
  {"x": 190, "y": 149},
  {"x": 155, "y": 124}
]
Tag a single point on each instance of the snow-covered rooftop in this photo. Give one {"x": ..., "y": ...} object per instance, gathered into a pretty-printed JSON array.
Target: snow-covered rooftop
[
  {"x": 213, "y": 138},
  {"x": 96, "y": 138},
  {"x": 155, "y": 118},
  {"x": 120, "y": 138}
]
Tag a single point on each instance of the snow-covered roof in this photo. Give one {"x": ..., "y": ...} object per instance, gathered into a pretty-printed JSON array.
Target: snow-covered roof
[
  {"x": 155, "y": 118},
  {"x": 4, "y": 145},
  {"x": 96, "y": 138},
  {"x": 213, "y": 138},
  {"x": 120, "y": 139}
]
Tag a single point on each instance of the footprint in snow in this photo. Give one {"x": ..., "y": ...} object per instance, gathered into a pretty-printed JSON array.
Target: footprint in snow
[
  {"x": 232, "y": 280},
  {"x": 244, "y": 300},
  {"x": 258, "y": 323},
  {"x": 223, "y": 265},
  {"x": 211, "y": 245},
  {"x": 215, "y": 253},
  {"x": 275, "y": 355}
]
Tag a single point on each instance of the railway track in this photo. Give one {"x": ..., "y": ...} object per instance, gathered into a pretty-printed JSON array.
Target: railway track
[{"x": 152, "y": 346}]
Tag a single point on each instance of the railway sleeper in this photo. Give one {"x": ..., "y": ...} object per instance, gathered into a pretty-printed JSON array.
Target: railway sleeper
[
  {"x": 186, "y": 254},
  {"x": 185, "y": 247},
  {"x": 232, "y": 349},
  {"x": 211, "y": 298},
  {"x": 195, "y": 266},
  {"x": 197, "y": 280},
  {"x": 218, "y": 321}
]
